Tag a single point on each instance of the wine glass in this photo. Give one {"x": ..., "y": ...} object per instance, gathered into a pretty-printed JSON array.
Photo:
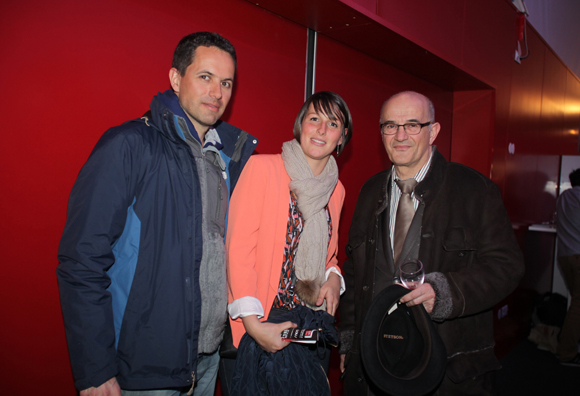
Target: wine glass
[{"x": 412, "y": 273}]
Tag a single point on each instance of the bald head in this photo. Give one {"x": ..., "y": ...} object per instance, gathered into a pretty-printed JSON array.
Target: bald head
[{"x": 418, "y": 96}]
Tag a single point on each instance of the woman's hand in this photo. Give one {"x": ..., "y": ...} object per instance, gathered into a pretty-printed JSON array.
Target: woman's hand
[
  {"x": 267, "y": 335},
  {"x": 330, "y": 291}
]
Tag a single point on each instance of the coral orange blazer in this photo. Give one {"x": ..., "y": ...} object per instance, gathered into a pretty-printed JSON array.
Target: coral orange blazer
[{"x": 257, "y": 230}]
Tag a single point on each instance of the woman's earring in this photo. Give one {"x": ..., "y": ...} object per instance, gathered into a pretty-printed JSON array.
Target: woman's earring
[{"x": 337, "y": 148}]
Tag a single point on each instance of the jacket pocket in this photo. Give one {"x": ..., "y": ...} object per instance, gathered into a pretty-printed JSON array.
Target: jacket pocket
[
  {"x": 472, "y": 364},
  {"x": 459, "y": 239},
  {"x": 355, "y": 248}
]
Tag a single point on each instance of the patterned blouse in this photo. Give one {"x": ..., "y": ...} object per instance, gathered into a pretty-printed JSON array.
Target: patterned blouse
[{"x": 286, "y": 298}]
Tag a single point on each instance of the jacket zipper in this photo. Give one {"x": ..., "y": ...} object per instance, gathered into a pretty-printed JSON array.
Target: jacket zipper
[{"x": 193, "y": 298}]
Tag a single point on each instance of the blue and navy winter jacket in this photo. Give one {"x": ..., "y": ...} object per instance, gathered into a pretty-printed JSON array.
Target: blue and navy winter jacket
[{"x": 131, "y": 250}]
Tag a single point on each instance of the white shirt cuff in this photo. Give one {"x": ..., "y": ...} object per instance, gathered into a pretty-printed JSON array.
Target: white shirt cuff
[
  {"x": 246, "y": 306},
  {"x": 335, "y": 270}
]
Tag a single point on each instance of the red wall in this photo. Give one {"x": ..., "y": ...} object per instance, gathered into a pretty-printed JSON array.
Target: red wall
[
  {"x": 72, "y": 69},
  {"x": 535, "y": 103}
]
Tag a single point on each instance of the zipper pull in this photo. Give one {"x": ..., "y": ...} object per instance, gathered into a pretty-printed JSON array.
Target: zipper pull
[{"x": 192, "y": 383}]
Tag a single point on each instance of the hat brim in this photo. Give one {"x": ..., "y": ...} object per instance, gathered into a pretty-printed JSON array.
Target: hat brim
[{"x": 426, "y": 377}]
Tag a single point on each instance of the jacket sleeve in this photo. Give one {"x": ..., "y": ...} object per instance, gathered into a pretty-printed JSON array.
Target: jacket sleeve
[
  {"x": 337, "y": 200},
  {"x": 495, "y": 271},
  {"x": 346, "y": 307},
  {"x": 244, "y": 224},
  {"x": 96, "y": 215},
  {"x": 354, "y": 246}
]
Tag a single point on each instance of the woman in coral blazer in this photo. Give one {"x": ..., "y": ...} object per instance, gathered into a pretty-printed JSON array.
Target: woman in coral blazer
[{"x": 282, "y": 234}]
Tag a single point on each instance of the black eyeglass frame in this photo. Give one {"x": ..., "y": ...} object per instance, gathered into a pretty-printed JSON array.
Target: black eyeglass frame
[{"x": 422, "y": 125}]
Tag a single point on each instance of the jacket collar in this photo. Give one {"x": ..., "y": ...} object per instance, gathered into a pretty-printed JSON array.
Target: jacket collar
[
  {"x": 434, "y": 178},
  {"x": 426, "y": 189},
  {"x": 167, "y": 121},
  {"x": 382, "y": 199}
]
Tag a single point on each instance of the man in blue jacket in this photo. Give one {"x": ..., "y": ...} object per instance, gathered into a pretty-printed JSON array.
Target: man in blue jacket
[{"x": 142, "y": 262}]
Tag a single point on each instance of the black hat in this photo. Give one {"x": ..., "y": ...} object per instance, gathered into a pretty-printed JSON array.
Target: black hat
[{"x": 401, "y": 350}]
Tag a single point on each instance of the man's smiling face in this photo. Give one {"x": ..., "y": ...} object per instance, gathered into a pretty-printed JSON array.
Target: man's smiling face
[
  {"x": 206, "y": 88},
  {"x": 408, "y": 152}
]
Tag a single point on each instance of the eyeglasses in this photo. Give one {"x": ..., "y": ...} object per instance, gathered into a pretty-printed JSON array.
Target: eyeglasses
[{"x": 411, "y": 128}]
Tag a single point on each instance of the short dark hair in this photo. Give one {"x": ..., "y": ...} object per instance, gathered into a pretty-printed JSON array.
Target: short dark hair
[
  {"x": 334, "y": 107},
  {"x": 185, "y": 51},
  {"x": 575, "y": 177}
]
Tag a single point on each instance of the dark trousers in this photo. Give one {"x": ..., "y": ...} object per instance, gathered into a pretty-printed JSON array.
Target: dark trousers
[
  {"x": 570, "y": 335},
  {"x": 484, "y": 385}
]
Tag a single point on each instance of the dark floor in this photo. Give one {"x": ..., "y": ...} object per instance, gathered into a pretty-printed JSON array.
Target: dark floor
[{"x": 530, "y": 371}]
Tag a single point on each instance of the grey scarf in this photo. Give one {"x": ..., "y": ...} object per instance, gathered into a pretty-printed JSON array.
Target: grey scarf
[{"x": 313, "y": 194}]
